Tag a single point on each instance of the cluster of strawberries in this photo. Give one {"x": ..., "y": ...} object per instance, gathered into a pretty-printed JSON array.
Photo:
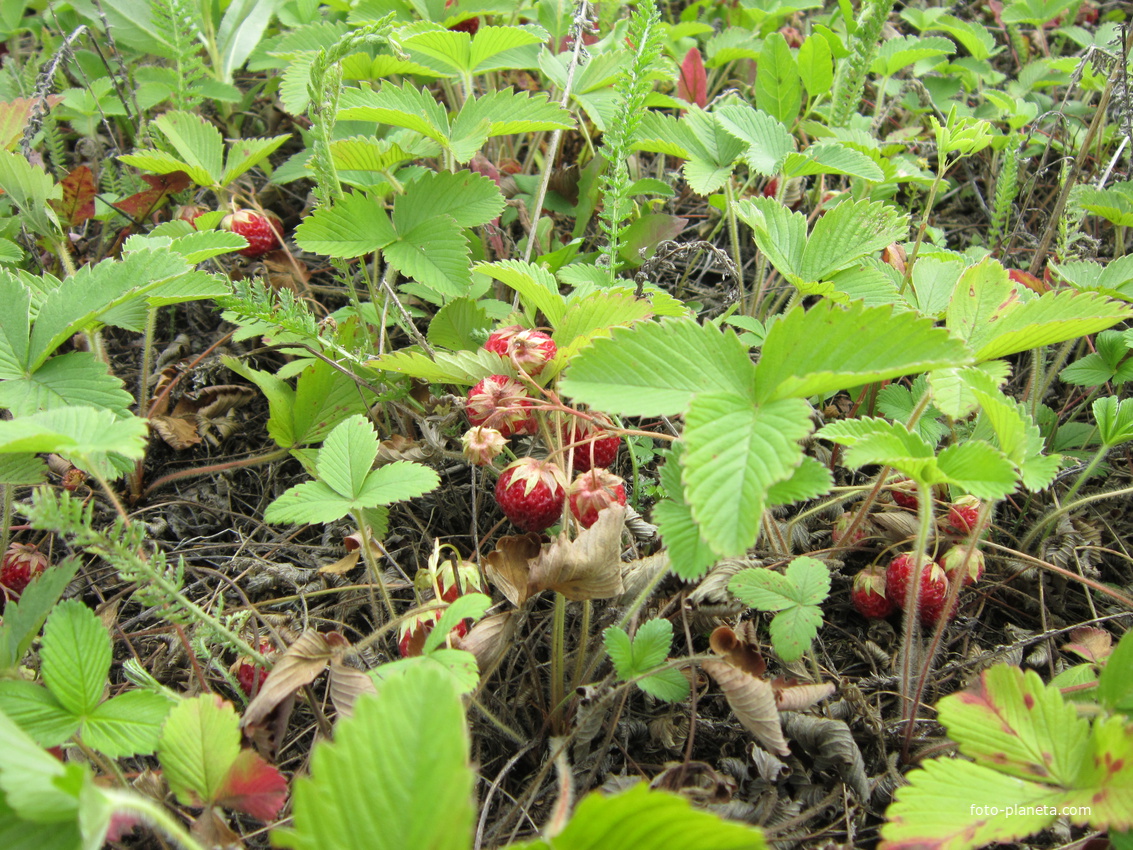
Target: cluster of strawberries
[
  {"x": 532, "y": 493},
  {"x": 880, "y": 590}
]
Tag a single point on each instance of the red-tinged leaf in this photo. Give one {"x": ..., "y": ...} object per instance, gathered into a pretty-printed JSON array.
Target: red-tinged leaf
[
  {"x": 77, "y": 203},
  {"x": 693, "y": 83},
  {"x": 162, "y": 186},
  {"x": 253, "y": 786},
  {"x": 14, "y": 119}
]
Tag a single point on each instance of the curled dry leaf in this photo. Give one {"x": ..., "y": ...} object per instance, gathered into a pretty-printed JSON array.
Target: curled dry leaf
[
  {"x": 753, "y": 702},
  {"x": 896, "y": 526},
  {"x": 738, "y": 650},
  {"x": 346, "y": 685},
  {"x": 832, "y": 746},
  {"x": 343, "y": 565},
  {"x": 792, "y": 697},
  {"x": 640, "y": 574},
  {"x": 488, "y": 639},
  {"x": 1090, "y": 643},
  {"x": 769, "y": 768},
  {"x": 183, "y": 426},
  {"x": 399, "y": 447},
  {"x": 509, "y": 566},
  {"x": 696, "y": 780},
  {"x": 588, "y": 567},
  {"x": 300, "y": 665}
]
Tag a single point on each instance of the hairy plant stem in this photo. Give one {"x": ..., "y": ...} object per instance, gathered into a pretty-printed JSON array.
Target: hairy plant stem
[
  {"x": 372, "y": 566},
  {"x": 558, "y": 650},
  {"x": 258, "y": 460},
  {"x": 910, "y": 632},
  {"x": 581, "y": 19},
  {"x": 734, "y": 237},
  {"x": 583, "y": 641},
  {"x": 153, "y": 813},
  {"x": 6, "y": 497},
  {"x": 909, "y": 263}
]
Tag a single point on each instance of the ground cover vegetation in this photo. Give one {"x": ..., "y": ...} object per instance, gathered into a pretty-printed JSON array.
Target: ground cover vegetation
[{"x": 483, "y": 424}]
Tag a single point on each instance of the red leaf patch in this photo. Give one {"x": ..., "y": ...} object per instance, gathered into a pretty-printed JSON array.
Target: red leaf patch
[
  {"x": 693, "y": 83},
  {"x": 162, "y": 186},
  {"x": 77, "y": 203},
  {"x": 254, "y": 787}
]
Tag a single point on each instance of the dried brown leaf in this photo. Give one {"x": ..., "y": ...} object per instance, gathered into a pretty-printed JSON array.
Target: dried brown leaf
[
  {"x": 509, "y": 566},
  {"x": 300, "y": 665},
  {"x": 642, "y": 573},
  {"x": 696, "y": 780},
  {"x": 737, "y": 651},
  {"x": 343, "y": 565},
  {"x": 178, "y": 433},
  {"x": 831, "y": 745},
  {"x": 1092, "y": 644},
  {"x": 797, "y": 697},
  {"x": 753, "y": 702},
  {"x": 487, "y": 639},
  {"x": 346, "y": 685},
  {"x": 588, "y": 567},
  {"x": 895, "y": 526}
]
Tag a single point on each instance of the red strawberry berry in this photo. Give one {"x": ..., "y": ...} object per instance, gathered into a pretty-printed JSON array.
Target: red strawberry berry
[
  {"x": 592, "y": 492},
  {"x": 531, "y": 493},
  {"x": 502, "y": 403},
  {"x": 933, "y": 588},
  {"x": 904, "y": 495},
  {"x": 592, "y": 447},
  {"x": 963, "y": 514},
  {"x": 868, "y": 593},
  {"x": 934, "y": 593},
  {"x": 531, "y": 349},
  {"x": 952, "y": 561},
  {"x": 251, "y": 676},
  {"x": 897, "y": 576},
  {"x": 261, "y": 230},
  {"x": 22, "y": 562}
]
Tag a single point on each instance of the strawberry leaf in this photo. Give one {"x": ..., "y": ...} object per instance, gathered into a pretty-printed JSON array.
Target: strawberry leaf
[
  {"x": 655, "y": 369},
  {"x": 692, "y": 84},
  {"x": 1013, "y": 722},
  {"x": 414, "y": 109},
  {"x": 433, "y": 251},
  {"x": 253, "y": 786},
  {"x": 689, "y": 555},
  {"x": 831, "y": 158},
  {"x": 126, "y": 725},
  {"x": 430, "y": 805},
  {"x": 647, "y": 649},
  {"x": 768, "y": 140},
  {"x": 631, "y": 820},
  {"x": 77, "y": 203},
  {"x": 795, "y": 595},
  {"x": 199, "y": 744},
  {"x": 162, "y": 186},
  {"x": 537, "y": 287},
  {"x": 354, "y": 226},
  {"x": 828, "y": 347},
  {"x": 778, "y": 88},
  {"x": 1115, "y": 686},
  {"x": 735, "y": 452},
  {"x": 348, "y": 455},
  {"x": 468, "y": 198},
  {"x": 76, "y": 657},
  {"x": 30, "y": 187}
]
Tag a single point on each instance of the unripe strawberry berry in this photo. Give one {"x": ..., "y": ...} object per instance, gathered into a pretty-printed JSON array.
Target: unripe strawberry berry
[
  {"x": 482, "y": 445},
  {"x": 456, "y": 580},
  {"x": 531, "y": 349},
  {"x": 963, "y": 514},
  {"x": 592, "y": 447},
  {"x": 531, "y": 493},
  {"x": 842, "y": 525},
  {"x": 592, "y": 492},
  {"x": 190, "y": 213},
  {"x": 952, "y": 561},
  {"x": 502, "y": 403},
  {"x": 260, "y": 229},
  {"x": 868, "y": 593},
  {"x": 414, "y": 630},
  {"x": 22, "y": 563}
]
